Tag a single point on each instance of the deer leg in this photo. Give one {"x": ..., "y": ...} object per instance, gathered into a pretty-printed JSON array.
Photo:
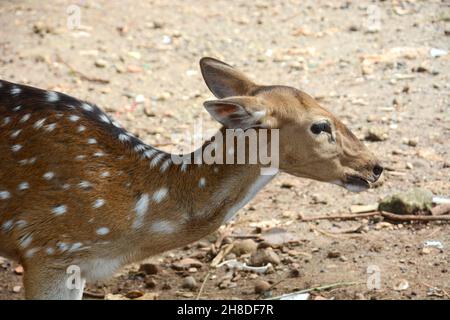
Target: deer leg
[{"x": 42, "y": 282}]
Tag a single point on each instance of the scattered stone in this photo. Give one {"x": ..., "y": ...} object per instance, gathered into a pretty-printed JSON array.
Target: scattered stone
[
  {"x": 189, "y": 283},
  {"x": 261, "y": 286},
  {"x": 139, "y": 99},
  {"x": 286, "y": 185},
  {"x": 149, "y": 268},
  {"x": 244, "y": 247},
  {"x": 413, "y": 142},
  {"x": 333, "y": 255},
  {"x": 101, "y": 63},
  {"x": 163, "y": 96},
  {"x": 187, "y": 263},
  {"x": 434, "y": 244},
  {"x": 264, "y": 256},
  {"x": 18, "y": 270},
  {"x": 440, "y": 209},
  {"x": 134, "y": 294},
  {"x": 384, "y": 225},
  {"x": 150, "y": 283},
  {"x": 401, "y": 285},
  {"x": 409, "y": 202},
  {"x": 364, "y": 208},
  {"x": 295, "y": 273},
  {"x": 133, "y": 68},
  {"x": 376, "y": 134},
  {"x": 17, "y": 289},
  {"x": 318, "y": 199}
]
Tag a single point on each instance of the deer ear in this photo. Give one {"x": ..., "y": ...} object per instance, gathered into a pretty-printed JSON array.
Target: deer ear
[
  {"x": 236, "y": 112},
  {"x": 223, "y": 80}
]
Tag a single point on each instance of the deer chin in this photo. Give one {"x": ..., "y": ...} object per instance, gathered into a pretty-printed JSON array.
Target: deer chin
[{"x": 353, "y": 183}]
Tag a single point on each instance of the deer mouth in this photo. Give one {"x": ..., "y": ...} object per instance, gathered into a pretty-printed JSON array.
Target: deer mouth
[{"x": 356, "y": 183}]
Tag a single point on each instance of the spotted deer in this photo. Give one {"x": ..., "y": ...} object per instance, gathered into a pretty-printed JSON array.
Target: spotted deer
[{"x": 76, "y": 189}]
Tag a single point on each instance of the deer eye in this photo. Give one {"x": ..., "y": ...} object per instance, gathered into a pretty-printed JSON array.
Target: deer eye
[{"x": 320, "y": 127}]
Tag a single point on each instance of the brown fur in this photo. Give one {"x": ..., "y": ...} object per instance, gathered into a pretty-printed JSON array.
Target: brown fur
[{"x": 195, "y": 211}]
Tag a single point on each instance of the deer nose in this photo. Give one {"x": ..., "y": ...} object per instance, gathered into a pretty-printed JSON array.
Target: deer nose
[{"x": 377, "y": 171}]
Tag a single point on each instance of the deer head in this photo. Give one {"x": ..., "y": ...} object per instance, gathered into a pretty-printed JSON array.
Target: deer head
[{"x": 314, "y": 143}]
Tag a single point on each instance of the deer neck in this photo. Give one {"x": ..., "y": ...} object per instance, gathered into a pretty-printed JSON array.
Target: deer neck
[{"x": 200, "y": 197}]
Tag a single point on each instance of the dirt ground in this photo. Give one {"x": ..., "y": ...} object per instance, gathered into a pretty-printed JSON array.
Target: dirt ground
[{"x": 373, "y": 63}]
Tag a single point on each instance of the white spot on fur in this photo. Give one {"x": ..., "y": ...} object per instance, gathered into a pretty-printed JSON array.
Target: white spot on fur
[
  {"x": 16, "y": 133},
  {"x": 16, "y": 147},
  {"x": 74, "y": 118},
  {"x": 38, "y": 124},
  {"x": 98, "y": 203},
  {"x": 105, "y": 118},
  {"x": 124, "y": 137},
  {"x": 80, "y": 157},
  {"x": 163, "y": 226},
  {"x": 156, "y": 159},
  {"x": 183, "y": 167},
  {"x": 25, "y": 118},
  {"x": 18, "y": 108},
  {"x": 7, "y": 225},
  {"x": 166, "y": 164},
  {"x": 28, "y": 161},
  {"x": 5, "y": 195},
  {"x": 52, "y": 96},
  {"x": 141, "y": 209},
  {"x": 76, "y": 246},
  {"x": 48, "y": 175},
  {"x": 160, "y": 195},
  {"x": 49, "y": 251},
  {"x": 23, "y": 186},
  {"x": 66, "y": 186},
  {"x": 50, "y": 127},
  {"x": 6, "y": 120},
  {"x": 102, "y": 231},
  {"x": 59, "y": 210},
  {"x": 150, "y": 153},
  {"x": 140, "y": 147},
  {"x": 87, "y": 107},
  {"x": 85, "y": 184},
  {"x": 21, "y": 224},
  {"x": 92, "y": 141},
  {"x": 25, "y": 241},
  {"x": 30, "y": 253},
  {"x": 99, "y": 154},
  {"x": 202, "y": 182},
  {"x": 81, "y": 128},
  {"x": 105, "y": 174},
  {"x": 216, "y": 170},
  {"x": 62, "y": 246},
  {"x": 15, "y": 90}
]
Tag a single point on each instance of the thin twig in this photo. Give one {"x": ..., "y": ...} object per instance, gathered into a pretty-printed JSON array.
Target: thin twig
[
  {"x": 388, "y": 215},
  {"x": 202, "y": 286},
  {"x": 320, "y": 288},
  {"x": 401, "y": 217},
  {"x": 342, "y": 216}
]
